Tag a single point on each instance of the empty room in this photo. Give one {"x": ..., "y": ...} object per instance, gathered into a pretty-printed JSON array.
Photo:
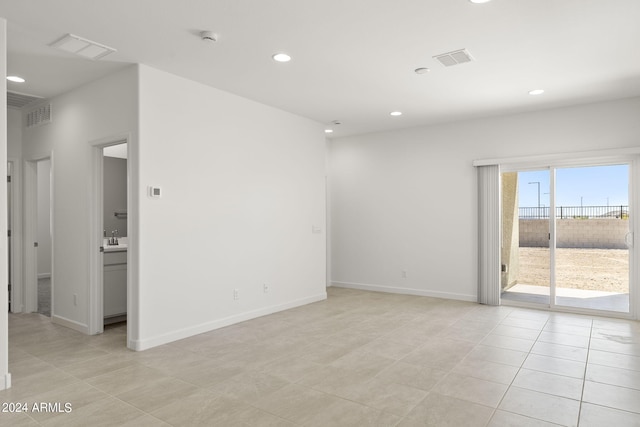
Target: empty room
[{"x": 320, "y": 213}]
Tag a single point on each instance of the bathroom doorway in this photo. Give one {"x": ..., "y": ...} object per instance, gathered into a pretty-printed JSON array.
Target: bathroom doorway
[
  {"x": 109, "y": 289},
  {"x": 115, "y": 234}
]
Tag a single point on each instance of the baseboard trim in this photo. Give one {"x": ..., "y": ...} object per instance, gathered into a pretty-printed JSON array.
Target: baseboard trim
[
  {"x": 145, "y": 344},
  {"x": 71, "y": 324},
  {"x": 44, "y": 276},
  {"x": 6, "y": 382},
  {"x": 406, "y": 291}
]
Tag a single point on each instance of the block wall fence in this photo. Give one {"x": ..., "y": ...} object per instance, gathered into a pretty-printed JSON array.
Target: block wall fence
[{"x": 606, "y": 233}]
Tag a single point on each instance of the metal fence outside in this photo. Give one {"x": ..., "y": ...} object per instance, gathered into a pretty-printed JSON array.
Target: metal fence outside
[{"x": 575, "y": 212}]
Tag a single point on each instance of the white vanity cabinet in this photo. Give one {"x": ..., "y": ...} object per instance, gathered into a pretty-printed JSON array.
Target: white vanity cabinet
[{"x": 114, "y": 281}]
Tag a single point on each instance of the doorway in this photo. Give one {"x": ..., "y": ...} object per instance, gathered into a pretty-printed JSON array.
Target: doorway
[
  {"x": 109, "y": 288},
  {"x": 44, "y": 236},
  {"x": 567, "y": 241},
  {"x": 115, "y": 234},
  {"x": 39, "y": 266}
]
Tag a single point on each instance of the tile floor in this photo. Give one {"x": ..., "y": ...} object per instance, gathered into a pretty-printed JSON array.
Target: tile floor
[{"x": 357, "y": 359}]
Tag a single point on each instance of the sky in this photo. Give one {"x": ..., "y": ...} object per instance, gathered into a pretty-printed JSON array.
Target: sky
[{"x": 596, "y": 185}]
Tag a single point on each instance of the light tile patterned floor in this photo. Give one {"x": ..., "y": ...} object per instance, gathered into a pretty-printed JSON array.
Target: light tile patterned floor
[{"x": 357, "y": 359}]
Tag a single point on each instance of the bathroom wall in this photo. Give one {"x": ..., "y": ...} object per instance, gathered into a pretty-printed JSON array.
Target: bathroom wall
[{"x": 115, "y": 195}]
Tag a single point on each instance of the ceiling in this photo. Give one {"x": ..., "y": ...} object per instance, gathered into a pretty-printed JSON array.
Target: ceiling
[{"x": 353, "y": 60}]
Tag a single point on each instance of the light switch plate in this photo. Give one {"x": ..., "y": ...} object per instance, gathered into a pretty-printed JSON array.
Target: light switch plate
[{"x": 155, "y": 192}]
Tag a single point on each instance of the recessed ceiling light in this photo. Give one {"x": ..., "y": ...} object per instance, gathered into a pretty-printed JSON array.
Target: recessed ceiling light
[
  {"x": 396, "y": 113},
  {"x": 421, "y": 70},
  {"x": 328, "y": 131},
  {"x": 536, "y": 92},
  {"x": 15, "y": 79},
  {"x": 479, "y": 1},
  {"x": 281, "y": 57}
]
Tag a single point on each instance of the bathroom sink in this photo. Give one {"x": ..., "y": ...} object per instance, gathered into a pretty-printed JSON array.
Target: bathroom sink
[
  {"x": 121, "y": 246},
  {"x": 115, "y": 248}
]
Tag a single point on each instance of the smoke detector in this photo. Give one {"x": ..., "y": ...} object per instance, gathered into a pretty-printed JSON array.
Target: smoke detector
[
  {"x": 454, "y": 58},
  {"x": 209, "y": 36}
]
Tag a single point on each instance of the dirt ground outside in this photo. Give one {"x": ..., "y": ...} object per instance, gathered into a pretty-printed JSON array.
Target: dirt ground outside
[{"x": 591, "y": 269}]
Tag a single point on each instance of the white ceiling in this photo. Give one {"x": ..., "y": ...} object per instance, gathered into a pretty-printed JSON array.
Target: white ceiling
[{"x": 353, "y": 60}]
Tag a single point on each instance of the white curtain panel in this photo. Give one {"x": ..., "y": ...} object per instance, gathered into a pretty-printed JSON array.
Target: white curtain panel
[{"x": 489, "y": 235}]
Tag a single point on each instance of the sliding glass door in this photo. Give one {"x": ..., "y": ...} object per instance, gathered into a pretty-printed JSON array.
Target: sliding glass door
[
  {"x": 566, "y": 237},
  {"x": 592, "y": 232}
]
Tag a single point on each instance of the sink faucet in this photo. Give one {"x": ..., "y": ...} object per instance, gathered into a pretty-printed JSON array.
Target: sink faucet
[{"x": 113, "y": 241}]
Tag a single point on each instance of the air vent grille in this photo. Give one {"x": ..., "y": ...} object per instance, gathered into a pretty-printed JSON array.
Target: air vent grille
[
  {"x": 19, "y": 100},
  {"x": 454, "y": 58},
  {"x": 39, "y": 116},
  {"x": 83, "y": 47}
]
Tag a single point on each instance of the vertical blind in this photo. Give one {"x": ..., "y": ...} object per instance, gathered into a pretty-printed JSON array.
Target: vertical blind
[{"x": 489, "y": 235}]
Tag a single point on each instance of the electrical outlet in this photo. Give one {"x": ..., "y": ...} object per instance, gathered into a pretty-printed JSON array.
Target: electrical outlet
[
  {"x": 236, "y": 294},
  {"x": 403, "y": 274},
  {"x": 75, "y": 299},
  {"x": 265, "y": 288}
]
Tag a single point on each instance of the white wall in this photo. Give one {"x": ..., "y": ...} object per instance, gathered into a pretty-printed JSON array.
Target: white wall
[
  {"x": 44, "y": 218},
  {"x": 406, "y": 200},
  {"x": 242, "y": 185},
  {"x": 97, "y": 110},
  {"x": 14, "y": 133},
  {"x": 5, "y": 377}
]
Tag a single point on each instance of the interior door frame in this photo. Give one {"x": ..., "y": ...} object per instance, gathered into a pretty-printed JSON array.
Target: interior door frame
[
  {"x": 30, "y": 251},
  {"x": 552, "y": 163},
  {"x": 15, "y": 203},
  {"x": 96, "y": 285}
]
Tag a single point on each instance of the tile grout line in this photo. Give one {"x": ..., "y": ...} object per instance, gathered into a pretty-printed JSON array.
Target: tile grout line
[
  {"x": 519, "y": 369},
  {"x": 584, "y": 377}
]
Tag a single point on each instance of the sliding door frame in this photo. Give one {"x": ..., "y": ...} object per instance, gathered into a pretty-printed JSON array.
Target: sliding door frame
[{"x": 630, "y": 157}]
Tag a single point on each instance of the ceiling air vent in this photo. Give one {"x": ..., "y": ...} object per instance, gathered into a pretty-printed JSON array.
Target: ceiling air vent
[
  {"x": 19, "y": 100},
  {"x": 39, "y": 116},
  {"x": 83, "y": 47},
  {"x": 454, "y": 58}
]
